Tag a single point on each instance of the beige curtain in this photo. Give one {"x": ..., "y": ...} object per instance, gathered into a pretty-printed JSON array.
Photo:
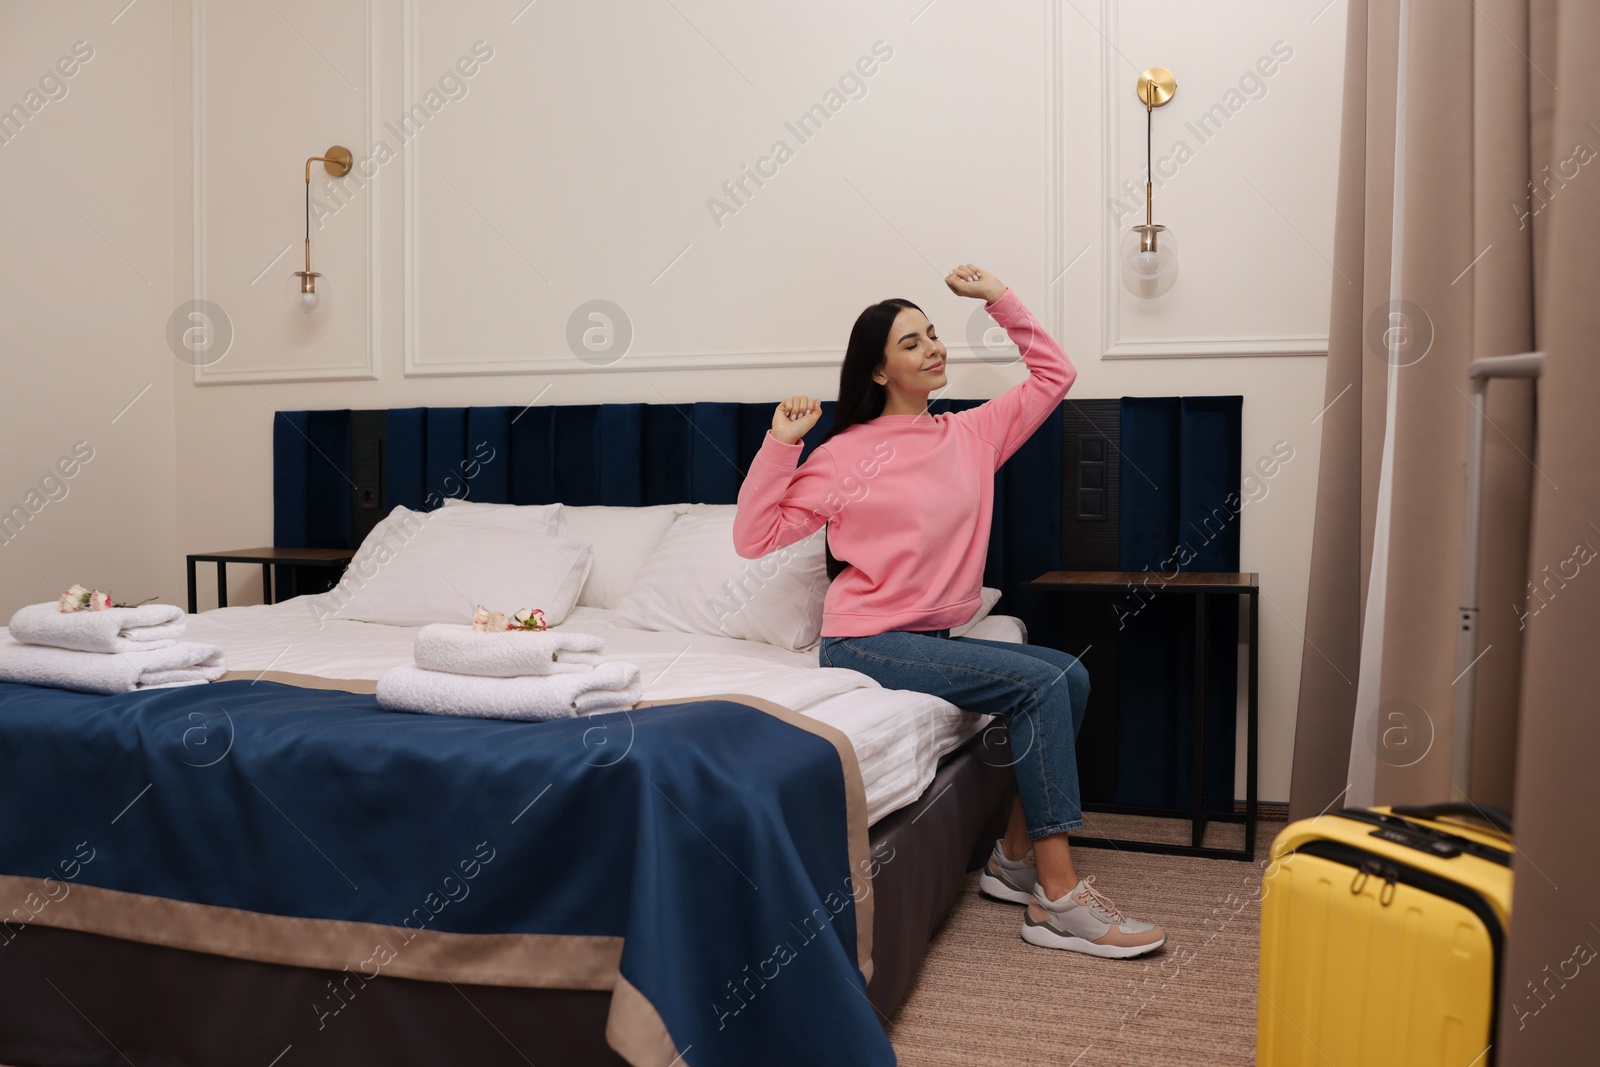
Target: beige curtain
[
  {"x": 1377, "y": 679},
  {"x": 1557, "y": 780},
  {"x": 1490, "y": 242}
]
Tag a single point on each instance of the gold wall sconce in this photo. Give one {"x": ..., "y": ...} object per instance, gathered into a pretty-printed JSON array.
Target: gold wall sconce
[
  {"x": 1149, "y": 255},
  {"x": 302, "y": 289}
]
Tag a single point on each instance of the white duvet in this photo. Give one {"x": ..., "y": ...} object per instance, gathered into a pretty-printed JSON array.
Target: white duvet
[{"x": 899, "y": 735}]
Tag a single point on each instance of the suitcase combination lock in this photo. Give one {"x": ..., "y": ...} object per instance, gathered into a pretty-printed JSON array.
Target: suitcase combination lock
[{"x": 1370, "y": 867}]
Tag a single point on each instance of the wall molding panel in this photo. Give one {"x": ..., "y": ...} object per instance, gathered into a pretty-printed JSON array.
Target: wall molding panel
[
  {"x": 422, "y": 359},
  {"x": 1119, "y": 102},
  {"x": 370, "y": 287}
]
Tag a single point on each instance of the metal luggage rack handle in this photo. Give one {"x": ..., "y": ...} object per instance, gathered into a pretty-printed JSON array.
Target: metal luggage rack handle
[{"x": 1479, "y": 374}]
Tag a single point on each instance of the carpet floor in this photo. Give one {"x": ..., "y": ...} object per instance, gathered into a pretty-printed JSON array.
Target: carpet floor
[{"x": 984, "y": 996}]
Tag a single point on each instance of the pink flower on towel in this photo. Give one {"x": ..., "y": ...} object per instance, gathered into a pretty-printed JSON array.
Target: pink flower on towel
[
  {"x": 486, "y": 621},
  {"x": 78, "y": 599},
  {"x": 497, "y": 622},
  {"x": 530, "y": 619}
]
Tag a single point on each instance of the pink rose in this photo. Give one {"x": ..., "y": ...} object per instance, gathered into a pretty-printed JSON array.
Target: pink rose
[
  {"x": 480, "y": 618},
  {"x": 68, "y": 602},
  {"x": 498, "y": 623},
  {"x": 99, "y": 601}
]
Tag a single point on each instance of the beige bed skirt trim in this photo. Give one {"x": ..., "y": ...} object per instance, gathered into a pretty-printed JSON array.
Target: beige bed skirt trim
[
  {"x": 544, "y": 961},
  {"x": 366, "y": 686}
]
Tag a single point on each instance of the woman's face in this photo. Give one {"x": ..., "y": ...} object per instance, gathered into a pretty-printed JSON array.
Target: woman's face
[{"x": 913, "y": 357}]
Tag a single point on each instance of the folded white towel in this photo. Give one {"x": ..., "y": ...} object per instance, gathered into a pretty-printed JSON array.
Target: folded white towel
[
  {"x": 110, "y": 630},
  {"x": 180, "y": 663},
  {"x": 463, "y": 650},
  {"x": 608, "y": 687}
]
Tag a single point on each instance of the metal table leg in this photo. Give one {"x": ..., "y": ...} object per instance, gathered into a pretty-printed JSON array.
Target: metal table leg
[
  {"x": 1250, "y": 734},
  {"x": 193, "y": 607},
  {"x": 1198, "y": 757}
]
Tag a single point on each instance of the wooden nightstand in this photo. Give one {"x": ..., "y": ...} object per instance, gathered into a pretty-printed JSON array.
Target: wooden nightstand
[
  {"x": 1199, "y": 585},
  {"x": 268, "y": 558}
]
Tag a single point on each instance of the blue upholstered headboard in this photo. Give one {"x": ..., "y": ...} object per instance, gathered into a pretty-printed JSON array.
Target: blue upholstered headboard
[{"x": 1176, "y": 459}]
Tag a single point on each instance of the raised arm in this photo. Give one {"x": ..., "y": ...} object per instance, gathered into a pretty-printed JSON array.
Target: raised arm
[
  {"x": 782, "y": 500},
  {"x": 1011, "y": 418}
]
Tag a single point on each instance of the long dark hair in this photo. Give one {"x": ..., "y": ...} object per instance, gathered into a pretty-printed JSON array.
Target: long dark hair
[{"x": 860, "y": 398}]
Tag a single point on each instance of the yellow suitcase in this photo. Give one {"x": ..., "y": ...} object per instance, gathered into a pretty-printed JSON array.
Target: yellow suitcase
[{"x": 1382, "y": 934}]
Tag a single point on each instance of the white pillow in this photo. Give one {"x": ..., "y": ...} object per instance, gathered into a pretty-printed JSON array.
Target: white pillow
[
  {"x": 539, "y": 520},
  {"x": 706, "y": 509},
  {"x": 545, "y": 516},
  {"x": 990, "y": 597},
  {"x": 695, "y": 582},
  {"x": 623, "y": 539},
  {"x": 421, "y": 567}
]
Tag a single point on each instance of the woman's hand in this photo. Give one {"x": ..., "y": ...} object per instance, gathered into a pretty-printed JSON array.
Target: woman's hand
[
  {"x": 794, "y": 418},
  {"x": 967, "y": 280}
]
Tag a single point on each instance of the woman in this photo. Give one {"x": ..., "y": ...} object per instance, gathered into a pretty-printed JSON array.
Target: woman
[{"x": 907, "y": 497}]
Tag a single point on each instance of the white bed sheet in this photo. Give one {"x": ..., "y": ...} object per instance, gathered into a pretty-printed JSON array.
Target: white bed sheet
[{"x": 899, "y": 735}]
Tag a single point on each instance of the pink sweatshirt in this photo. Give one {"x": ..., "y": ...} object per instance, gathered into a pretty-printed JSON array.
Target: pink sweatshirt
[{"x": 908, "y": 499}]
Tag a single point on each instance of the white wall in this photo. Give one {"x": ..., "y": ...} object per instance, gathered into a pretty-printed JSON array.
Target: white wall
[{"x": 577, "y": 162}]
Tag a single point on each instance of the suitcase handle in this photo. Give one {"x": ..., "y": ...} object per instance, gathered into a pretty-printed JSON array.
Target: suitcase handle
[{"x": 1500, "y": 820}]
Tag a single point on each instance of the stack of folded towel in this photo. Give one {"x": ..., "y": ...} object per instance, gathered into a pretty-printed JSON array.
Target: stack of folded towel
[
  {"x": 516, "y": 674},
  {"x": 114, "y": 650}
]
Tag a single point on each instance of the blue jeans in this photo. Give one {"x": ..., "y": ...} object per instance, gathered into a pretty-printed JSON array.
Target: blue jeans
[{"x": 1041, "y": 692}]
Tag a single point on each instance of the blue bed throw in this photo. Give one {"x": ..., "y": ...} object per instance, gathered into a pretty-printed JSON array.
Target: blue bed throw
[{"x": 706, "y": 861}]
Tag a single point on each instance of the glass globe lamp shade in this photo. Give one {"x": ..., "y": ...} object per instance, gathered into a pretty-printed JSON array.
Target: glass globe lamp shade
[
  {"x": 1148, "y": 273},
  {"x": 311, "y": 300}
]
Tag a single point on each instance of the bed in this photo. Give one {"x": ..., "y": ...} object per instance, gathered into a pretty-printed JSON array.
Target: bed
[
  {"x": 85, "y": 980},
  {"x": 932, "y": 782}
]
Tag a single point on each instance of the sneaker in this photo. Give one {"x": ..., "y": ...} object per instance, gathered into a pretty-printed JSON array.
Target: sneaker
[
  {"x": 1009, "y": 880},
  {"x": 1085, "y": 921}
]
